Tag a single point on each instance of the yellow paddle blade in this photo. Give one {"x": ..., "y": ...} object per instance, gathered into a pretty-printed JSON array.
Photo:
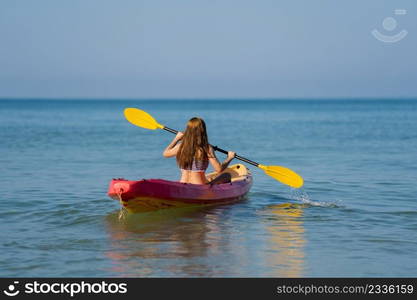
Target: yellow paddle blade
[
  {"x": 284, "y": 175},
  {"x": 141, "y": 118}
]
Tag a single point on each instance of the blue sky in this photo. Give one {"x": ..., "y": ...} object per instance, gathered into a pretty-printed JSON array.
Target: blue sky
[{"x": 205, "y": 49}]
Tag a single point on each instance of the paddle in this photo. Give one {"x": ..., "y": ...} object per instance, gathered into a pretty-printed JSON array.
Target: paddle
[{"x": 143, "y": 119}]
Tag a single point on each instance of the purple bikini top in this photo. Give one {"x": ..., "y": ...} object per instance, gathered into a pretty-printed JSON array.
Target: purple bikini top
[{"x": 198, "y": 166}]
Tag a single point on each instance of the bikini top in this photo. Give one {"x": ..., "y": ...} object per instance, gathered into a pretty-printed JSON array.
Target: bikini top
[{"x": 198, "y": 166}]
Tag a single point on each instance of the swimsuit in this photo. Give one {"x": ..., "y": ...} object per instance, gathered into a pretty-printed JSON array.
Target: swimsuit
[{"x": 198, "y": 166}]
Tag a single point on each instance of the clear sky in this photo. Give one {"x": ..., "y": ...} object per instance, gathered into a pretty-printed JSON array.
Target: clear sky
[{"x": 206, "y": 49}]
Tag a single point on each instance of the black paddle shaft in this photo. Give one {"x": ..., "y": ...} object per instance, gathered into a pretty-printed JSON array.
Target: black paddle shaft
[{"x": 219, "y": 149}]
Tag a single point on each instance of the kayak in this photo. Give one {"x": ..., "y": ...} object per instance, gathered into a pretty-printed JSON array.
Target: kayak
[{"x": 154, "y": 194}]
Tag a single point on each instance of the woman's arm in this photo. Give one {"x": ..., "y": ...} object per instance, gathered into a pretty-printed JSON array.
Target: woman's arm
[
  {"x": 215, "y": 162},
  {"x": 173, "y": 147}
]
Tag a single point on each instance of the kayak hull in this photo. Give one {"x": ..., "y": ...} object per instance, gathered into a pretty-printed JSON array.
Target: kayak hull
[{"x": 154, "y": 194}]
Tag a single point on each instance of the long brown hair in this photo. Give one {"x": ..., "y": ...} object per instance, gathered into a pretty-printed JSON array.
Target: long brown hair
[{"x": 194, "y": 144}]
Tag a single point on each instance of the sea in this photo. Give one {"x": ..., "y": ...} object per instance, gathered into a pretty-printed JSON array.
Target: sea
[{"x": 355, "y": 216}]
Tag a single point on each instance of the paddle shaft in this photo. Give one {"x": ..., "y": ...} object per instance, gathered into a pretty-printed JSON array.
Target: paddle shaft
[{"x": 219, "y": 149}]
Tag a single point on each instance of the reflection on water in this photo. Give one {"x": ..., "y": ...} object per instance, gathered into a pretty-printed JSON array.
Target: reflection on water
[
  {"x": 286, "y": 256},
  {"x": 172, "y": 236},
  {"x": 208, "y": 242}
]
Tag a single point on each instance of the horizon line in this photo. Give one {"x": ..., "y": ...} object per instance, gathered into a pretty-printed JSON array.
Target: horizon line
[{"x": 199, "y": 98}]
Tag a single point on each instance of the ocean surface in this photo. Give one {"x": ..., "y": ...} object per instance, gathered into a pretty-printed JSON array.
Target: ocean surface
[{"x": 356, "y": 215}]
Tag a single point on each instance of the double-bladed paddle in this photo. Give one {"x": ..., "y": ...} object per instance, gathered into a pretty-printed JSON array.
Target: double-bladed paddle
[{"x": 286, "y": 176}]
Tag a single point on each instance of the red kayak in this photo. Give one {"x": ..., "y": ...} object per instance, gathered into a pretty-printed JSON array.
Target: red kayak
[{"x": 153, "y": 194}]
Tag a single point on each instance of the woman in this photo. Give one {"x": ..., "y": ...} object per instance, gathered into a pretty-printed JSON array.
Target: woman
[{"x": 194, "y": 153}]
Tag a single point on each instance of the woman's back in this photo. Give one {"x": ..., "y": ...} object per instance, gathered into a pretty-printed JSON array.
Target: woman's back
[
  {"x": 195, "y": 174},
  {"x": 193, "y": 177},
  {"x": 193, "y": 153}
]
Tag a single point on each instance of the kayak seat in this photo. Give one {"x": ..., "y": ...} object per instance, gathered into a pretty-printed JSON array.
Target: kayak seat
[{"x": 222, "y": 178}]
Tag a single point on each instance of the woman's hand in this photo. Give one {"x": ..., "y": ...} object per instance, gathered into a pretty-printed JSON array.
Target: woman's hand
[
  {"x": 230, "y": 155},
  {"x": 179, "y": 136},
  {"x": 173, "y": 147}
]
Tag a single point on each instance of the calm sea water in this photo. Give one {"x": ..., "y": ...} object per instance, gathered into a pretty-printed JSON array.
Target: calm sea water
[{"x": 356, "y": 215}]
